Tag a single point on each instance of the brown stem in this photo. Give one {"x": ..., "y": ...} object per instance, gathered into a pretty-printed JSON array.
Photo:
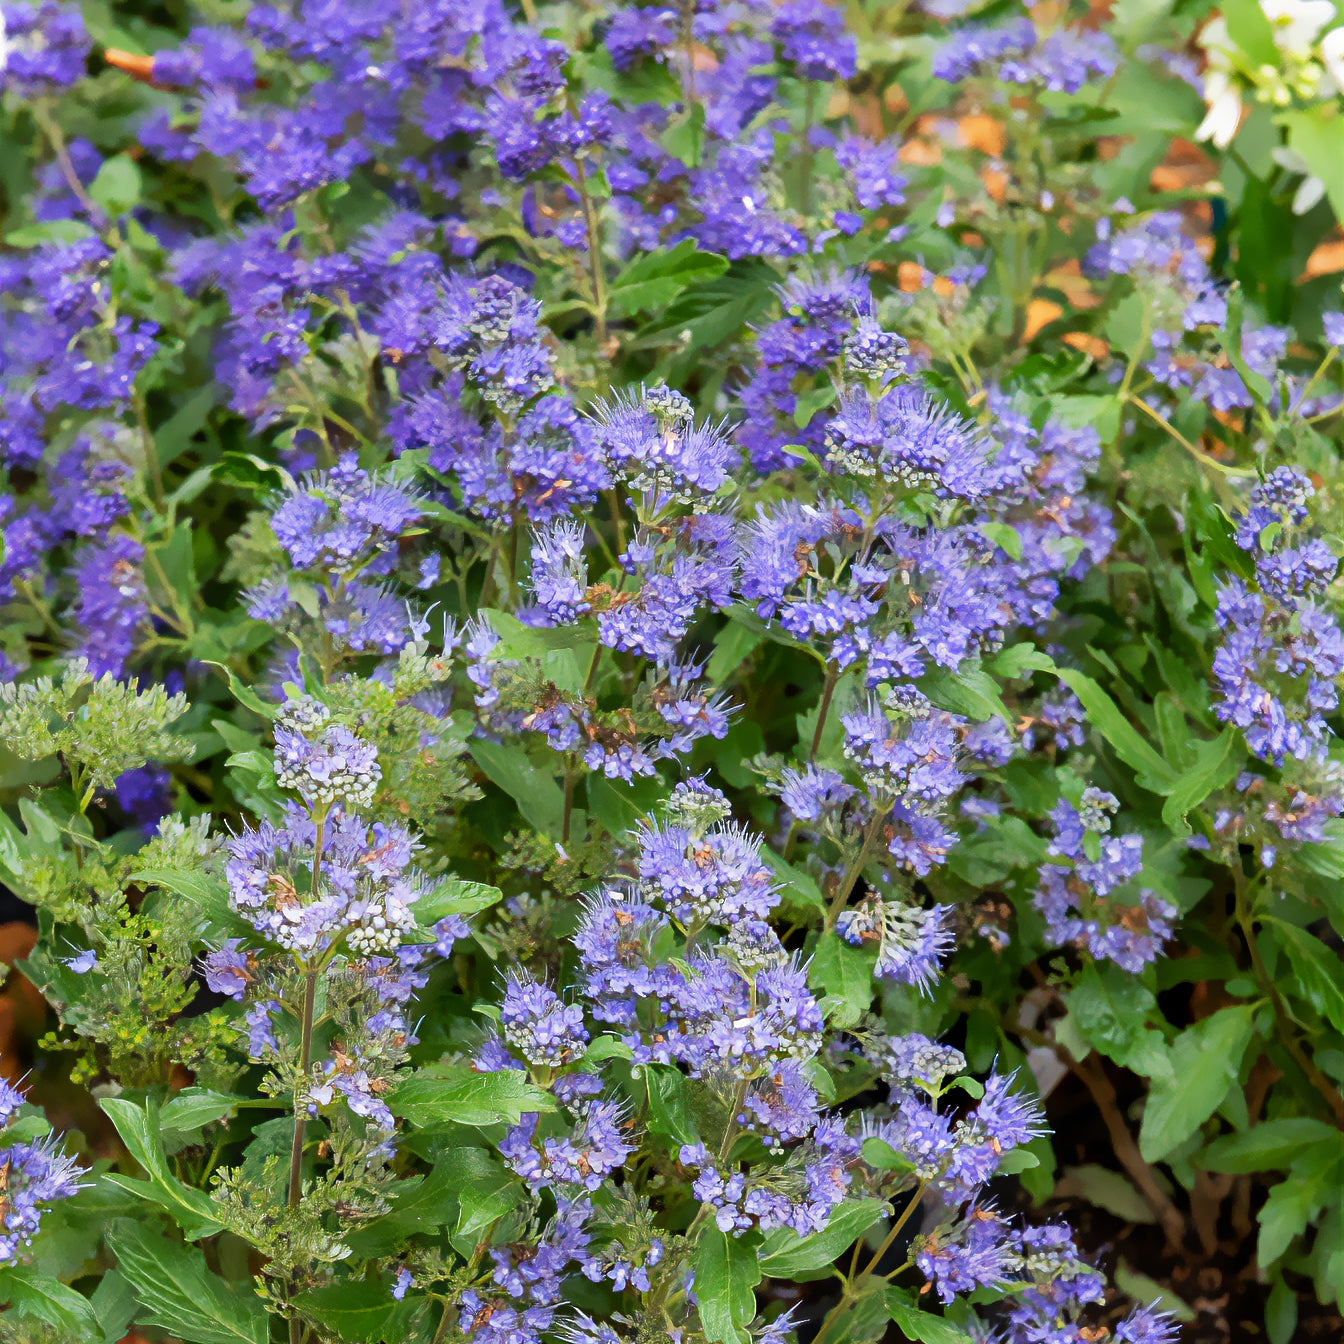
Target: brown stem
[
  {"x": 569, "y": 798},
  {"x": 823, "y": 709},
  {"x": 1093, "y": 1077},
  {"x": 56, "y": 138}
]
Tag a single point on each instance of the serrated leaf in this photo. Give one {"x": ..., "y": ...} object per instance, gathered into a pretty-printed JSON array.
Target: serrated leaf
[
  {"x": 844, "y": 975},
  {"x": 785, "y": 1255},
  {"x": 193, "y": 1107},
  {"x": 44, "y": 1298},
  {"x": 178, "y": 1293},
  {"x": 208, "y": 895},
  {"x": 656, "y": 278},
  {"x": 799, "y": 888},
  {"x": 669, "y": 1106},
  {"x": 139, "y": 1130},
  {"x": 355, "y": 1309},
  {"x": 922, "y": 1326},
  {"x": 456, "y": 1094},
  {"x": 1316, "y": 971},
  {"x": 1108, "y": 1008},
  {"x": 538, "y": 796},
  {"x": 1205, "y": 1060},
  {"x": 726, "y": 1272},
  {"x": 1103, "y": 714},
  {"x": 1216, "y": 763},
  {"x": 1271, "y": 1145}
]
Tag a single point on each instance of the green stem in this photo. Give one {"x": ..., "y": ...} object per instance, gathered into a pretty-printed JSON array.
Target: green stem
[
  {"x": 1197, "y": 453},
  {"x": 856, "y": 867},
  {"x": 596, "y": 278},
  {"x": 295, "y": 1193},
  {"x": 895, "y": 1229}
]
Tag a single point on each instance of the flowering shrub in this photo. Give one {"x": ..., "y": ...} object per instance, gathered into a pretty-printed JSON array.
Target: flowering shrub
[{"x": 637, "y": 636}]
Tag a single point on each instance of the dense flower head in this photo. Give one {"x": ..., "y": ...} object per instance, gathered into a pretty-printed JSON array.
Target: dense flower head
[
  {"x": 537, "y": 1026},
  {"x": 535, "y": 401},
  {"x": 365, "y": 884},
  {"x": 911, "y": 942},
  {"x": 1086, "y": 903},
  {"x": 712, "y": 876},
  {"x": 323, "y": 762},
  {"x": 341, "y": 518}
]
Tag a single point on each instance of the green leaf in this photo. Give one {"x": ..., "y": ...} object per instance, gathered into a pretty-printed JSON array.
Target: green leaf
[
  {"x": 245, "y": 696},
  {"x": 209, "y": 897},
  {"x": 880, "y": 1154},
  {"x": 118, "y": 184},
  {"x": 247, "y": 471},
  {"x": 456, "y": 1094},
  {"x": 44, "y": 1298},
  {"x": 1316, "y": 969},
  {"x": 844, "y": 974},
  {"x": 732, "y": 646},
  {"x": 50, "y": 231},
  {"x": 972, "y": 692},
  {"x": 139, "y": 1129},
  {"x": 194, "y": 1107},
  {"x": 355, "y": 1309},
  {"x": 1216, "y": 763},
  {"x": 669, "y": 1106},
  {"x": 450, "y": 896},
  {"x": 1293, "y": 1203},
  {"x": 1021, "y": 660},
  {"x": 1272, "y": 1145},
  {"x": 1005, "y": 536},
  {"x": 1107, "y": 1190},
  {"x": 1205, "y": 1060},
  {"x": 786, "y": 1255},
  {"x": 538, "y": 796},
  {"x": 922, "y": 1326},
  {"x": 1281, "y": 1313},
  {"x": 1149, "y": 1293},
  {"x": 423, "y": 1205},
  {"x": 726, "y": 1271},
  {"x": 1109, "y": 1008},
  {"x": 656, "y": 278},
  {"x": 685, "y": 137},
  {"x": 114, "y": 1303},
  {"x": 799, "y": 888},
  {"x": 1103, "y": 714},
  {"x": 1248, "y": 27},
  {"x": 179, "y": 1294},
  {"x": 808, "y": 404},
  {"x": 1318, "y": 136},
  {"x": 1257, "y": 384}
]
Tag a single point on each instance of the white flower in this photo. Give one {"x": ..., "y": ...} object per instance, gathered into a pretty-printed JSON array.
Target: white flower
[
  {"x": 1332, "y": 57},
  {"x": 1224, "y": 114},
  {"x": 1296, "y": 23},
  {"x": 1310, "y": 189}
]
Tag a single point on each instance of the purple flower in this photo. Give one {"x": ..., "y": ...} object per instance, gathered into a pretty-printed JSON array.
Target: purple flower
[
  {"x": 537, "y": 1026},
  {"x": 226, "y": 971}
]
